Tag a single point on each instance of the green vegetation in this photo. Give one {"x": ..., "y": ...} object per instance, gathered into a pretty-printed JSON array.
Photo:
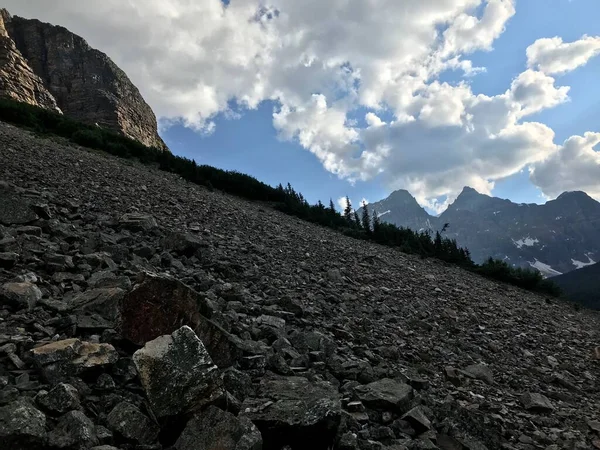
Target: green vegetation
[{"x": 285, "y": 199}]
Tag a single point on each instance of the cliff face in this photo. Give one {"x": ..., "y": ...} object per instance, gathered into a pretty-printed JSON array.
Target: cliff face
[
  {"x": 84, "y": 82},
  {"x": 17, "y": 79}
]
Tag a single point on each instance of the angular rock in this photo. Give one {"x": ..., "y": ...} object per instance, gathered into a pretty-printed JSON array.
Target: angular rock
[
  {"x": 20, "y": 295},
  {"x": 97, "y": 308},
  {"x": 295, "y": 411},
  {"x": 159, "y": 305},
  {"x": 417, "y": 418},
  {"x": 73, "y": 431},
  {"x": 185, "y": 244},
  {"x": 62, "y": 398},
  {"x": 22, "y": 426},
  {"x": 137, "y": 222},
  {"x": 480, "y": 372},
  {"x": 130, "y": 423},
  {"x": 215, "y": 429},
  {"x": 177, "y": 373},
  {"x": 71, "y": 357},
  {"x": 14, "y": 209},
  {"x": 536, "y": 402},
  {"x": 386, "y": 395},
  {"x": 8, "y": 260}
]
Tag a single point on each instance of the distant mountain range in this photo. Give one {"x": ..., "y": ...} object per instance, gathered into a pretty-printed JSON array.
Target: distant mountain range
[{"x": 560, "y": 236}]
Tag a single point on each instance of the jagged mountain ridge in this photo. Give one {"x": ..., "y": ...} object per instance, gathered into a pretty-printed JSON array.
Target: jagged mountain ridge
[
  {"x": 582, "y": 286},
  {"x": 557, "y": 237},
  {"x": 48, "y": 66}
]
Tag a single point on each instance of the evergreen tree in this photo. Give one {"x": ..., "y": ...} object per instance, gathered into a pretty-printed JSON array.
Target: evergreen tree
[
  {"x": 437, "y": 243},
  {"x": 348, "y": 210},
  {"x": 332, "y": 209},
  {"x": 366, "y": 218},
  {"x": 357, "y": 220},
  {"x": 376, "y": 223}
]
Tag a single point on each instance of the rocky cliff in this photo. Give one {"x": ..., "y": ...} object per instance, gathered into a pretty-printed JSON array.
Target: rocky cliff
[
  {"x": 17, "y": 79},
  {"x": 47, "y": 65},
  {"x": 139, "y": 311}
]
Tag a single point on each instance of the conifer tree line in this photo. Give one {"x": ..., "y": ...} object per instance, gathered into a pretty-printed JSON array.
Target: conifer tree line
[{"x": 367, "y": 226}]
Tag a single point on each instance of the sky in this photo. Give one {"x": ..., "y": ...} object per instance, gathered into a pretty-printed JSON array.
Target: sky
[{"x": 363, "y": 97}]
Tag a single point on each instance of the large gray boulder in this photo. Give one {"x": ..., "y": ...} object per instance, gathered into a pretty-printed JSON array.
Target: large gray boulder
[
  {"x": 386, "y": 395},
  {"x": 129, "y": 422},
  {"x": 215, "y": 429},
  {"x": 177, "y": 373},
  {"x": 73, "y": 431},
  {"x": 22, "y": 426},
  {"x": 296, "y": 412},
  {"x": 20, "y": 295}
]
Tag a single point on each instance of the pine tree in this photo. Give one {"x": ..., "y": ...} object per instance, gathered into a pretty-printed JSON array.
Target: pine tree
[
  {"x": 376, "y": 223},
  {"x": 366, "y": 218},
  {"x": 332, "y": 209},
  {"x": 437, "y": 243},
  {"x": 348, "y": 210},
  {"x": 357, "y": 220}
]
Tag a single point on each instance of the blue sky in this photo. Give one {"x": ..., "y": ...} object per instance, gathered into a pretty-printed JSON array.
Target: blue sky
[{"x": 360, "y": 98}]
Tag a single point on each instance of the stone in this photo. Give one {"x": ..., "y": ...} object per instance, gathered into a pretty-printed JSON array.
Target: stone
[
  {"x": 42, "y": 73},
  {"x": 20, "y": 295},
  {"x": 177, "y": 373},
  {"x": 73, "y": 431},
  {"x": 8, "y": 260},
  {"x": 215, "y": 429},
  {"x": 159, "y": 305},
  {"x": 238, "y": 383},
  {"x": 70, "y": 357},
  {"x": 536, "y": 402},
  {"x": 385, "y": 395},
  {"x": 62, "y": 398},
  {"x": 129, "y": 422},
  {"x": 22, "y": 426},
  {"x": 90, "y": 306},
  {"x": 295, "y": 411},
  {"x": 417, "y": 418},
  {"x": 480, "y": 372},
  {"x": 14, "y": 209},
  {"x": 185, "y": 244},
  {"x": 137, "y": 222}
]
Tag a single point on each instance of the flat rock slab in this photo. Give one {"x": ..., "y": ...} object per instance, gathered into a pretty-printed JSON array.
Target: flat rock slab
[
  {"x": 480, "y": 372},
  {"x": 386, "y": 395},
  {"x": 20, "y": 295},
  {"x": 177, "y": 373},
  {"x": 215, "y": 429},
  {"x": 536, "y": 402},
  {"x": 70, "y": 357},
  {"x": 296, "y": 412}
]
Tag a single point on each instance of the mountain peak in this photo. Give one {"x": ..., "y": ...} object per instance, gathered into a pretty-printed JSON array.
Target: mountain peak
[{"x": 573, "y": 194}]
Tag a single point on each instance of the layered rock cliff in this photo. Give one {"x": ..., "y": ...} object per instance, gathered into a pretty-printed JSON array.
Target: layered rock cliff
[
  {"x": 17, "y": 80},
  {"x": 47, "y": 65}
]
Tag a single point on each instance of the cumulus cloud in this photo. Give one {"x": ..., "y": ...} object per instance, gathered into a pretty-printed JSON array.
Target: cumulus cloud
[
  {"x": 321, "y": 62},
  {"x": 576, "y": 166},
  {"x": 553, "y": 56}
]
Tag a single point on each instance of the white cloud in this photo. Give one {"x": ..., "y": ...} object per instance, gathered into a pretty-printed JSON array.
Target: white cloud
[
  {"x": 576, "y": 166},
  {"x": 322, "y": 61},
  {"x": 553, "y": 56}
]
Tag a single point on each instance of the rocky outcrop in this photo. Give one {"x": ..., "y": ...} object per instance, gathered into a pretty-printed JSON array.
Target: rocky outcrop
[
  {"x": 216, "y": 323},
  {"x": 48, "y": 66},
  {"x": 18, "y": 81}
]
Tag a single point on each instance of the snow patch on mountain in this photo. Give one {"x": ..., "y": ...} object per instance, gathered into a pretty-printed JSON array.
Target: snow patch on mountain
[
  {"x": 384, "y": 213},
  {"x": 527, "y": 242},
  {"x": 545, "y": 269},
  {"x": 580, "y": 264}
]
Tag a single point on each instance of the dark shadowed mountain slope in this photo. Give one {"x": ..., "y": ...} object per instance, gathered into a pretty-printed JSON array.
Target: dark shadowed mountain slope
[
  {"x": 557, "y": 237},
  {"x": 582, "y": 286}
]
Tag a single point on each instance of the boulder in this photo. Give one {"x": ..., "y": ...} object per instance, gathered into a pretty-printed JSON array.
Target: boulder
[
  {"x": 296, "y": 412},
  {"x": 8, "y": 260},
  {"x": 137, "y": 222},
  {"x": 215, "y": 429},
  {"x": 129, "y": 422},
  {"x": 177, "y": 373},
  {"x": 20, "y": 295},
  {"x": 185, "y": 244},
  {"x": 480, "y": 372},
  {"x": 97, "y": 308},
  {"x": 159, "y": 305},
  {"x": 536, "y": 402},
  {"x": 417, "y": 418},
  {"x": 386, "y": 395},
  {"x": 62, "y": 398},
  {"x": 22, "y": 426},
  {"x": 70, "y": 357},
  {"x": 73, "y": 431},
  {"x": 14, "y": 209}
]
